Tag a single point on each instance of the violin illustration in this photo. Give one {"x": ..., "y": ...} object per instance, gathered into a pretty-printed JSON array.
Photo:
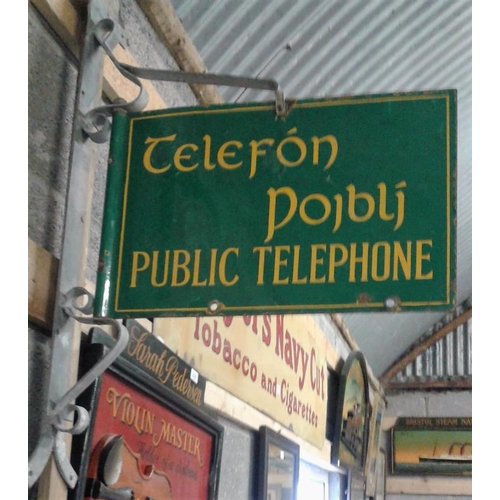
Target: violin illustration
[{"x": 116, "y": 473}]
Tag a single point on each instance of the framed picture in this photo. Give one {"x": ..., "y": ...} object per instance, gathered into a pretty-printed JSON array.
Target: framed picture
[
  {"x": 441, "y": 446},
  {"x": 351, "y": 422},
  {"x": 380, "y": 476},
  {"x": 278, "y": 466},
  {"x": 144, "y": 440}
]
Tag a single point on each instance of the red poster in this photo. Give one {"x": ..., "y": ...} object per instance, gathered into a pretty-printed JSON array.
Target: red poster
[{"x": 141, "y": 449}]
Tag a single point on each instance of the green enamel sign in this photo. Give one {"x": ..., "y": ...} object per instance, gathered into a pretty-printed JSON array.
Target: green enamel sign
[{"x": 344, "y": 204}]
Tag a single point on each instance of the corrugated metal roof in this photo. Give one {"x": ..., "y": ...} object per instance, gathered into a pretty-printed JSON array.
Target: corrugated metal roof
[
  {"x": 318, "y": 48},
  {"x": 447, "y": 361}
]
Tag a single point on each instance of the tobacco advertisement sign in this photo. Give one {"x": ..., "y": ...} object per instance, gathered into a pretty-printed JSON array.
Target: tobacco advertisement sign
[{"x": 274, "y": 363}]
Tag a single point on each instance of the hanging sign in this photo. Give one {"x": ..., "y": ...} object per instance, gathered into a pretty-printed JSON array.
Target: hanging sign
[{"x": 342, "y": 204}]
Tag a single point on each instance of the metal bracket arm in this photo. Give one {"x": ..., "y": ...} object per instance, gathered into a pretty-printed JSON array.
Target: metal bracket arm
[
  {"x": 98, "y": 128},
  {"x": 212, "y": 79},
  {"x": 104, "y": 32}
]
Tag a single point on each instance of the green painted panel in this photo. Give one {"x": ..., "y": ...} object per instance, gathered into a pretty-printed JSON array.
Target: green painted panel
[{"x": 338, "y": 206}]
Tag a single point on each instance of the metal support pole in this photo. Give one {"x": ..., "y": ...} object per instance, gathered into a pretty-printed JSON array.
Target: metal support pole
[{"x": 62, "y": 415}]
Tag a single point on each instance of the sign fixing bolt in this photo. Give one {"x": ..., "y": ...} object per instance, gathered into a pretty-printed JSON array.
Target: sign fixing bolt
[
  {"x": 214, "y": 306},
  {"x": 392, "y": 303}
]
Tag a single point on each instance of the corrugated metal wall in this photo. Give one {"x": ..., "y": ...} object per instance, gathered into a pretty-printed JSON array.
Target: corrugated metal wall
[
  {"x": 445, "y": 363},
  {"x": 447, "y": 358}
]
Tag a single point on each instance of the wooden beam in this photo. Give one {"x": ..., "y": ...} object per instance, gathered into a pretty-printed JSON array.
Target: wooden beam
[
  {"x": 42, "y": 284},
  {"x": 116, "y": 86},
  {"x": 344, "y": 331},
  {"x": 458, "y": 384},
  {"x": 50, "y": 485},
  {"x": 408, "y": 358},
  {"x": 65, "y": 20},
  {"x": 418, "y": 485},
  {"x": 170, "y": 30}
]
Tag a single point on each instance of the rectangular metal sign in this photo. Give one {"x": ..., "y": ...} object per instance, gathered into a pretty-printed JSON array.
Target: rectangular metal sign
[
  {"x": 344, "y": 204},
  {"x": 438, "y": 445},
  {"x": 276, "y": 363}
]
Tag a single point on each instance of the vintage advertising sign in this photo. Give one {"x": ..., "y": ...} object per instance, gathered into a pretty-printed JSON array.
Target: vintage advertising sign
[
  {"x": 177, "y": 452},
  {"x": 163, "y": 365},
  {"x": 437, "y": 445},
  {"x": 349, "y": 447},
  {"x": 143, "y": 440},
  {"x": 274, "y": 363},
  {"x": 342, "y": 204},
  {"x": 160, "y": 363}
]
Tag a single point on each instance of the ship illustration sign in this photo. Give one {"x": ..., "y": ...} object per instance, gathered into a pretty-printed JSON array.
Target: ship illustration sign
[{"x": 432, "y": 446}]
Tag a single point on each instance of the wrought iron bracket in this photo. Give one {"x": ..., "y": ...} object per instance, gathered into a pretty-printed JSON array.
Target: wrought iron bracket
[
  {"x": 96, "y": 123},
  {"x": 64, "y": 416},
  {"x": 73, "y": 303}
]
